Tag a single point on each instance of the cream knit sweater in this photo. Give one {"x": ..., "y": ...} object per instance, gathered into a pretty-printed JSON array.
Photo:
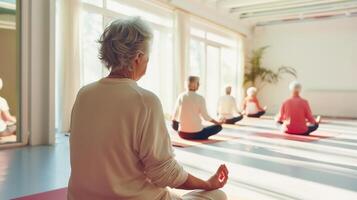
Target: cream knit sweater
[{"x": 119, "y": 144}]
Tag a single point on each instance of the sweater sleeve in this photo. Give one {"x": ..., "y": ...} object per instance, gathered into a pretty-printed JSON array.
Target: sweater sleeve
[
  {"x": 203, "y": 110},
  {"x": 256, "y": 101},
  {"x": 308, "y": 113},
  {"x": 4, "y": 106},
  {"x": 176, "y": 112},
  {"x": 155, "y": 149},
  {"x": 235, "y": 108},
  {"x": 281, "y": 115}
]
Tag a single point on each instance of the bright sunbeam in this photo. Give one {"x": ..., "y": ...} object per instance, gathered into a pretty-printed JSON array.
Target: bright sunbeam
[{"x": 285, "y": 187}]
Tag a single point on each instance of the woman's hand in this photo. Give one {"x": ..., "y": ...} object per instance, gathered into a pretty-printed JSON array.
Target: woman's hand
[
  {"x": 222, "y": 121},
  {"x": 219, "y": 179},
  {"x": 216, "y": 122}
]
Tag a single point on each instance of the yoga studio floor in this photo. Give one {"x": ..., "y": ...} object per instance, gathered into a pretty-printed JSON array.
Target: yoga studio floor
[{"x": 264, "y": 163}]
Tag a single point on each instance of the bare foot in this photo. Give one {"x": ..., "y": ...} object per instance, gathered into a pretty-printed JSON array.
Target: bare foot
[
  {"x": 222, "y": 121},
  {"x": 318, "y": 119}
]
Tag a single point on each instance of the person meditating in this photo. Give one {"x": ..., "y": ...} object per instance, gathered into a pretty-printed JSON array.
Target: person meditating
[
  {"x": 189, "y": 109},
  {"x": 7, "y": 121},
  {"x": 227, "y": 108},
  {"x": 251, "y": 106},
  {"x": 119, "y": 144},
  {"x": 294, "y": 113}
]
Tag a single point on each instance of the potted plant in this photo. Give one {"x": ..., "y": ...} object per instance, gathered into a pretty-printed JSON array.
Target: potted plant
[{"x": 256, "y": 74}]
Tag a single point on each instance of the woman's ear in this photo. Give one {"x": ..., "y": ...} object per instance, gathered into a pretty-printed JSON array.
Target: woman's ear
[{"x": 136, "y": 60}]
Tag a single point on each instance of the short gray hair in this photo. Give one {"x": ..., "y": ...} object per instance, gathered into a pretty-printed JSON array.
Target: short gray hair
[
  {"x": 192, "y": 79},
  {"x": 251, "y": 91},
  {"x": 228, "y": 89},
  {"x": 295, "y": 86},
  {"x": 122, "y": 40}
]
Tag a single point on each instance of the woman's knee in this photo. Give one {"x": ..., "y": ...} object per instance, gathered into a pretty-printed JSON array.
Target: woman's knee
[
  {"x": 219, "y": 128},
  {"x": 218, "y": 195},
  {"x": 261, "y": 113},
  {"x": 206, "y": 195},
  {"x": 216, "y": 129}
]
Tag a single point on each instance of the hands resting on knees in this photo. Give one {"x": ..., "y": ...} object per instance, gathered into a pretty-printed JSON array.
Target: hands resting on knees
[{"x": 218, "y": 180}]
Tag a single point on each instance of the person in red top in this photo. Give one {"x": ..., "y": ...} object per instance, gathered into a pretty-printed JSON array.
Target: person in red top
[{"x": 295, "y": 114}]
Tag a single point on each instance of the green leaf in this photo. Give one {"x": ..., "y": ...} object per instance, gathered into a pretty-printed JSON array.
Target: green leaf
[{"x": 254, "y": 71}]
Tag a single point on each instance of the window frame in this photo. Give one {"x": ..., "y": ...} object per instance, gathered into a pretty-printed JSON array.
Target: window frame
[
  {"x": 207, "y": 27},
  {"x": 106, "y": 14}
]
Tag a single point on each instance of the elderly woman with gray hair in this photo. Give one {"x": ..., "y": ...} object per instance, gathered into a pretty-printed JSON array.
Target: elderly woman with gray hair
[
  {"x": 119, "y": 144},
  {"x": 251, "y": 105},
  {"x": 295, "y": 112}
]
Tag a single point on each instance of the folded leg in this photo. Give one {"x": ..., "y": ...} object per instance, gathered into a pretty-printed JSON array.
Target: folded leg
[
  {"x": 205, "y": 195},
  {"x": 234, "y": 120},
  {"x": 258, "y": 114},
  {"x": 311, "y": 128},
  {"x": 202, "y": 135}
]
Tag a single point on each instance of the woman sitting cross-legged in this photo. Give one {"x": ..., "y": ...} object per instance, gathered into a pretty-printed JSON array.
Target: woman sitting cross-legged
[
  {"x": 119, "y": 144},
  {"x": 7, "y": 121},
  {"x": 227, "y": 108},
  {"x": 251, "y": 106},
  {"x": 295, "y": 113},
  {"x": 189, "y": 109}
]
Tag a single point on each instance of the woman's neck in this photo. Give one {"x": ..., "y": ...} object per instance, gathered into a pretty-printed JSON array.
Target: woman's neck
[
  {"x": 121, "y": 74},
  {"x": 296, "y": 94}
]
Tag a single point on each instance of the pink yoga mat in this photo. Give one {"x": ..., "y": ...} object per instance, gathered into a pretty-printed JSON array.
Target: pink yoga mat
[{"x": 60, "y": 194}]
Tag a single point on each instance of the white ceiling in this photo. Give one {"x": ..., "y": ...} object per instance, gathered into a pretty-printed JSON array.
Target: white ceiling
[{"x": 264, "y": 12}]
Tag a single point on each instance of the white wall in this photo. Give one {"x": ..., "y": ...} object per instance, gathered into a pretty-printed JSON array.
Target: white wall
[{"x": 325, "y": 55}]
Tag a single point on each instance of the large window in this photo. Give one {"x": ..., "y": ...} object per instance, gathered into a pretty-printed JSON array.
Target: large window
[
  {"x": 214, "y": 56},
  {"x": 92, "y": 27},
  {"x": 97, "y": 14},
  {"x": 213, "y": 51}
]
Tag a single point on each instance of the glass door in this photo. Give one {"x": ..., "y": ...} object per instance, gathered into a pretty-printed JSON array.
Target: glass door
[
  {"x": 9, "y": 71},
  {"x": 198, "y": 62},
  {"x": 212, "y": 78},
  {"x": 91, "y": 29}
]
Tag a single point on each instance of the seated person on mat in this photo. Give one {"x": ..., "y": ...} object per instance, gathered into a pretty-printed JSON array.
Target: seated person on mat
[
  {"x": 119, "y": 144},
  {"x": 189, "y": 109},
  {"x": 251, "y": 106},
  {"x": 6, "y": 119},
  {"x": 227, "y": 108},
  {"x": 295, "y": 111}
]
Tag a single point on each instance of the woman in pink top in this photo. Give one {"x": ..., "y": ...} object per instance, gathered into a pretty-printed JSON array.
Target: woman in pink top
[
  {"x": 251, "y": 106},
  {"x": 295, "y": 113}
]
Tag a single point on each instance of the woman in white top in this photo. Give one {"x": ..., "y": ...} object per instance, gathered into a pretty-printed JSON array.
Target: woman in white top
[
  {"x": 251, "y": 105},
  {"x": 6, "y": 119},
  {"x": 119, "y": 144},
  {"x": 227, "y": 108},
  {"x": 189, "y": 109}
]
